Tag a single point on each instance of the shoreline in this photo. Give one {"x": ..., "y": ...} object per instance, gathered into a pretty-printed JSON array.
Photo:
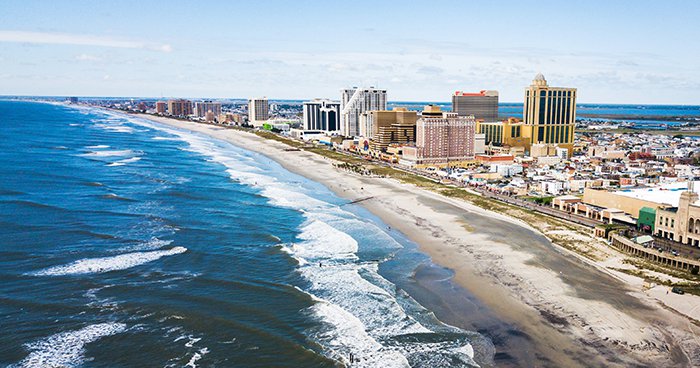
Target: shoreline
[{"x": 508, "y": 265}]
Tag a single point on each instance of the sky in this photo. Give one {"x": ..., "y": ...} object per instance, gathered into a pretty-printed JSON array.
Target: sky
[{"x": 639, "y": 52}]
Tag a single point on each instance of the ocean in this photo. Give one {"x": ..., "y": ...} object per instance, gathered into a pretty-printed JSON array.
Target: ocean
[
  {"x": 124, "y": 243},
  {"x": 642, "y": 116}
]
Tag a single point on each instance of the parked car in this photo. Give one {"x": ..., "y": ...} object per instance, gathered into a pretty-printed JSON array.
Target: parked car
[{"x": 677, "y": 290}]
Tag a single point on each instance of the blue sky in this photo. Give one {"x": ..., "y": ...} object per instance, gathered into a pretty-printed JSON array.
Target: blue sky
[{"x": 612, "y": 51}]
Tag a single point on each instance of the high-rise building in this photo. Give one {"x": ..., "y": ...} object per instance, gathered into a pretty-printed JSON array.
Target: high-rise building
[
  {"x": 482, "y": 105},
  {"x": 442, "y": 139},
  {"x": 202, "y": 107},
  {"x": 180, "y": 107},
  {"x": 258, "y": 111},
  {"x": 397, "y": 126},
  {"x": 355, "y": 101},
  {"x": 551, "y": 113},
  {"x": 322, "y": 114},
  {"x": 549, "y": 119},
  {"x": 161, "y": 107}
]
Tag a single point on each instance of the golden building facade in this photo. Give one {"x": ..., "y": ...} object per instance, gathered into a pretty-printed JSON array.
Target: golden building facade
[
  {"x": 386, "y": 127},
  {"x": 550, "y": 112},
  {"x": 509, "y": 133},
  {"x": 549, "y": 118}
]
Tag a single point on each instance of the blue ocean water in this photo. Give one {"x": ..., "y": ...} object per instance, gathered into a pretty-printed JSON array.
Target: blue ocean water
[
  {"x": 124, "y": 243},
  {"x": 662, "y": 114}
]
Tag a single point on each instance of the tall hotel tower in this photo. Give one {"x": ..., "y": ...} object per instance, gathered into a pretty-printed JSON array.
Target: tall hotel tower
[
  {"x": 551, "y": 113},
  {"x": 443, "y": 137},
  {"x": 482, "y": 105},
  {"x": 258, "y": 111},
  {"x": 353, "y": 102}
]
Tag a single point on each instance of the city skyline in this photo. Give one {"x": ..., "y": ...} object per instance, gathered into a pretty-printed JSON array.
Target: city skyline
[{"x": 614, "y": 53}]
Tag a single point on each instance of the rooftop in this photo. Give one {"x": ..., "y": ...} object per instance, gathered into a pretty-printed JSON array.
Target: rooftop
[
  {"x": 669, "y": 194},
  {"x": 480, "y": 93}
]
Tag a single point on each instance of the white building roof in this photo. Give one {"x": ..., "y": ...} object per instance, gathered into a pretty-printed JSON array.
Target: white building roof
[{"x": 669, "y": 194}]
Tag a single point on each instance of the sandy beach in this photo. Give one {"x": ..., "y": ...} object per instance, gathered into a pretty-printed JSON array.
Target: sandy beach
[{"x": 574, "y": 311}]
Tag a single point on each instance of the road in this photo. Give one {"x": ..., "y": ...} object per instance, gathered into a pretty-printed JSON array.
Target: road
[{"x": 582, "y": 220}]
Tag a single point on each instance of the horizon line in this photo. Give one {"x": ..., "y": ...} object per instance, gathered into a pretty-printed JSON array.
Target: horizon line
[{"x": 310, "y": 99}]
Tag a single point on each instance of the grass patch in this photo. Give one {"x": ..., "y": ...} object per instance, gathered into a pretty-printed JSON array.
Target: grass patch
[
  {"x": 275, "y": 137},
  {"x": 690, "y": 287}
]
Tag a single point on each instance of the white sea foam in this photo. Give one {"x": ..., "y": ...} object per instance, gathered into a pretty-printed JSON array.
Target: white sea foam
[
  {"x": 196, "y": 356},
  {"x": 66, "y": 349},
  {"x": 109, "y": 153},
  {"x": 107, "y": 264},
  {"x": 99, "y": 146},
  {"x": 349, "y": 335},
  {"x": 159, "y": 138},
  {"x": 246, "y": 170},
  {"x": 363, "y": 310},
  {"x": 124, "y": 161},
  {"x": 151, "y": 244},
  {"x": 288, "y": 250},
  {"x": 115, "y": 127},
  {"x": 181, "y": 338},
  {"x": 192, "y": 341},
  {"x": 321, "y": 241},
  {"x": 108, "y": 303}
]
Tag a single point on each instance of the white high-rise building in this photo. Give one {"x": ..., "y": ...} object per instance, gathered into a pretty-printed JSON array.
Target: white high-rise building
[
  {"x": 322, "y": 114},
  {"x": 353, "y": 102},
  {"x": 258, "y": 111}
]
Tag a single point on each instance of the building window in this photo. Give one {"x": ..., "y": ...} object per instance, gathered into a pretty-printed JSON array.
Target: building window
[{"x": 542, "y": 107}]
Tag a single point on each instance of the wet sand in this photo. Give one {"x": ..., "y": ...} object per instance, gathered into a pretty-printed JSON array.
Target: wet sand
[{"x": 540, "y": 304}]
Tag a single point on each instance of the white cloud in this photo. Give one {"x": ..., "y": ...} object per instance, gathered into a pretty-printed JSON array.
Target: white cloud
[
  {"x": 164, "y": 48},
  {"x": 106, "y": 77},
  {"x": 76, "y": 39}
]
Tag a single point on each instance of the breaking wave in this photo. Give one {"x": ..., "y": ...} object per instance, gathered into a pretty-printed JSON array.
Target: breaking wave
[
  {"x": 66, "y": 349},
  {"x": 107, "y": 264}
]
